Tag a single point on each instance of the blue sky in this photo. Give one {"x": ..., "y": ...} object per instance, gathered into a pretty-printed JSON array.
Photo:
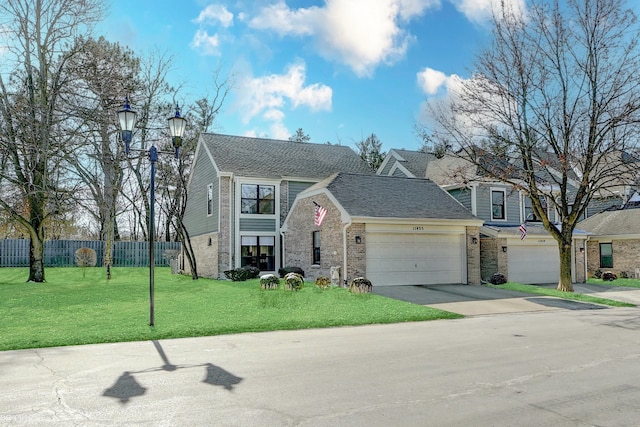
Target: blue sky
[{"x": 339, "y": 69}]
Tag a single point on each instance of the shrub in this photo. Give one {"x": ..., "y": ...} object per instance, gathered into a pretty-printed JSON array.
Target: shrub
[
  {"x": 241, "y": 274},
  {"x": 237, "y": 274},
  {"x": 286, "y": 270},
  {"x": 360, "y": 285},
  {"x": 252, "y": 271},
  {"x": 597, "y": 274},
  {"x": 323, "y": 282},
  {"x": 609, "y": 276},
  {"x": 269, "y": 281},
  {"x": 498, "y": 279},
  {"x": 293, "y": 281},
  {"x": 86, "y": 257}
]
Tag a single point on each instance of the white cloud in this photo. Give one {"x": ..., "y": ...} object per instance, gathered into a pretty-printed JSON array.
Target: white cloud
[
  {"x": 359, "y": 33},
  {"x": 431, "y": 80},
  {"x": 480, "y": 10},
  {"x": 269, "y": 96},
  {"x": 214, "y": 14},
  {"x": 208, "y": 44},
  {"x": 272, "y": 91}
]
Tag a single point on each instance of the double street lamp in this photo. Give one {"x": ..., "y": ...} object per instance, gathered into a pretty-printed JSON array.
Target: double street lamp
[{"x": 177, "y": 125}]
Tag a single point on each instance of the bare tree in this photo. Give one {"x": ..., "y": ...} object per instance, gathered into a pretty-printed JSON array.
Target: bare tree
[
  {"x": 559, "y": 90},
  {"x": 202, "y": 115},
  {"x": 102, "y": 71},
  {"x": 31, "y": 117}
]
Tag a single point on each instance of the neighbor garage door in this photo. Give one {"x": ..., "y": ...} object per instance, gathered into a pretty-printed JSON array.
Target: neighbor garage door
[
  {"x": 534, "y": 263},
  {"x": 415, "y": 258}
]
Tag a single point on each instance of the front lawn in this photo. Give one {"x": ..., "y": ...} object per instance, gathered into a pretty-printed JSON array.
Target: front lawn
[{"x": 82, "y": 307}]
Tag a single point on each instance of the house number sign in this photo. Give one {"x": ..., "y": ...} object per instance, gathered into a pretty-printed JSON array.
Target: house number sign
[{"x": 418, "y": 228}]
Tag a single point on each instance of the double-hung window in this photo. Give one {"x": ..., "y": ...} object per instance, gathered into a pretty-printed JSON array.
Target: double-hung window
[
  {"x": 210, "y": 199},
  {"x": 316, "y": 247},
  {"x": 606, "y": 255},
  {"x": 258, "y": 199},
  {"x": 498, "y": 209}
]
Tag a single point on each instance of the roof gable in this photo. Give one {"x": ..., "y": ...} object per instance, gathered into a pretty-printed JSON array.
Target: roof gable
[{"x": 269, "y": 158}]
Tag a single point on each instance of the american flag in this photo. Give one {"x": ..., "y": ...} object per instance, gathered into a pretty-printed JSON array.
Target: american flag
[
  {"x": 320, "y": 213},
  {"x": 523, "y": 231}
]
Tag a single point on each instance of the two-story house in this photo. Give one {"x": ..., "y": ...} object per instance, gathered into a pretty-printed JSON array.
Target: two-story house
[
  {"x": 502, "y": 206},
  {"x": 241, "y": 189}
]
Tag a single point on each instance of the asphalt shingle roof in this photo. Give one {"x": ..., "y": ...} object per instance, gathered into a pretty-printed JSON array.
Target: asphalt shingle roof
[
  {"x": 618, "y": 222},
  {"x": 269, "y": 158},
  {"x": 381, "y": 196},
  {"x": 415, "y": 161}
]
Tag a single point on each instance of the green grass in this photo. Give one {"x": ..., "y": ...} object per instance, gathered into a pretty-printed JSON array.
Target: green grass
[
  {"x": 538, "y": 290},
  {"x": 76, "y": 307},
  {"x": 626, "y": 283}
]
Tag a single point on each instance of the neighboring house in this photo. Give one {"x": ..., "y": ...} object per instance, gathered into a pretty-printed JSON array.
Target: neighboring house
[
  {"x": 613, "y": 243},
  {"x": 240, "y": 191},
  {"x": 392, "y": 230},
  {"x": 501, "y": 206}
]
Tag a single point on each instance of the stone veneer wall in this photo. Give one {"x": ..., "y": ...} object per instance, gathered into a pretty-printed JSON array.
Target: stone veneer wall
[
  {"x": 205, "y": 248},
  {"x": 492, "y": 259},
  {"x": 473, "y": 256},
  {"x": 224, "y": 251},
  {"x": 284, "y": 201},
  {"x": 626, "y": 256},
  {"x": 298, "y": 240},
  {"x": 356, "y": 252},
  {"x": 579, "y": 267}
]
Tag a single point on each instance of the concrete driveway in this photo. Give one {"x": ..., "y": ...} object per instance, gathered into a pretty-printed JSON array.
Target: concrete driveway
[{"x": 471, "y": 300}]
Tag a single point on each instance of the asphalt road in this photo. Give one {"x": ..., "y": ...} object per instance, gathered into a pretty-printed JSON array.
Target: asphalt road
[{"x": 551, "y": 368}]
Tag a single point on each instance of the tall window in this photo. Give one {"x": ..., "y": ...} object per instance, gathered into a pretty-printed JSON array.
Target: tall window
[
  {"x": 316, "y": 247},
  {"x": 258, "y": 251},
  {"x": 497, "y": 204},
  {"x": 258, "y": 199},
  {"x": 210, "y": 199},
  {"x": 606, "y": 255}
]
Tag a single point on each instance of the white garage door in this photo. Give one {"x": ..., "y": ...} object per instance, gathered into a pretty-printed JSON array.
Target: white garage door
[
  {"x": 533, "y": 264},
  {"x": 415, "y": 259}
]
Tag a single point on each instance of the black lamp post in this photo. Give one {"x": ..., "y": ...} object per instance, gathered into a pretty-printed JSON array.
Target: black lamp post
[{"x": 177, "y": 125}]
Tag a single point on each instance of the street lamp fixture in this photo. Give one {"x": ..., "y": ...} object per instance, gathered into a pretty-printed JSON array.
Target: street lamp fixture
[{"x": 177, "y": 125}]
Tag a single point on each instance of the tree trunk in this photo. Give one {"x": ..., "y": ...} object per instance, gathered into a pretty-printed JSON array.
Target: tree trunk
[
  {"x": 565, "y": 283},
  {"x": 36, "y": 258}
]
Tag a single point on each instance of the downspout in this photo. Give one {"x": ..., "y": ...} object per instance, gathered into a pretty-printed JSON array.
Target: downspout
[
  {"x": 232, "y": 203},
  {"x": 344, "y": 252}
]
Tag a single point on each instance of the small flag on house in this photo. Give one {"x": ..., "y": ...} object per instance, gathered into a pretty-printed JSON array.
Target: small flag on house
[
  {"x": 523, "y": 231},
  {"x": 319, "y": 215}
]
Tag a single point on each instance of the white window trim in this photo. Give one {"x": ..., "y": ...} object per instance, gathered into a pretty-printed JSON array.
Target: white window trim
[
  {"x": 504, "y": 198},
  {"x": 238, "y": 198}
]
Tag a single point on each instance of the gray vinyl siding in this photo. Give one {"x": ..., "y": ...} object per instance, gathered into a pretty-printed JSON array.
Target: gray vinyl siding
[
  {"x": 462, "y": 195},
  {"x": 400, "y": 173},
  {"x": 295, "y": 187},
  {"x": 599, "y": 205},
  {"x": 387, "y": 168},
  {"x": 196, "y": 219},
  {"x": 257, "y": 224},
  {"x": 483, "y": 204}
]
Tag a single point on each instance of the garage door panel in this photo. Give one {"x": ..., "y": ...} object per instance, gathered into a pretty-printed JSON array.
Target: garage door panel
[
  {"x": 533, "y": 264},
  {"x": 415, "y": 259}
]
